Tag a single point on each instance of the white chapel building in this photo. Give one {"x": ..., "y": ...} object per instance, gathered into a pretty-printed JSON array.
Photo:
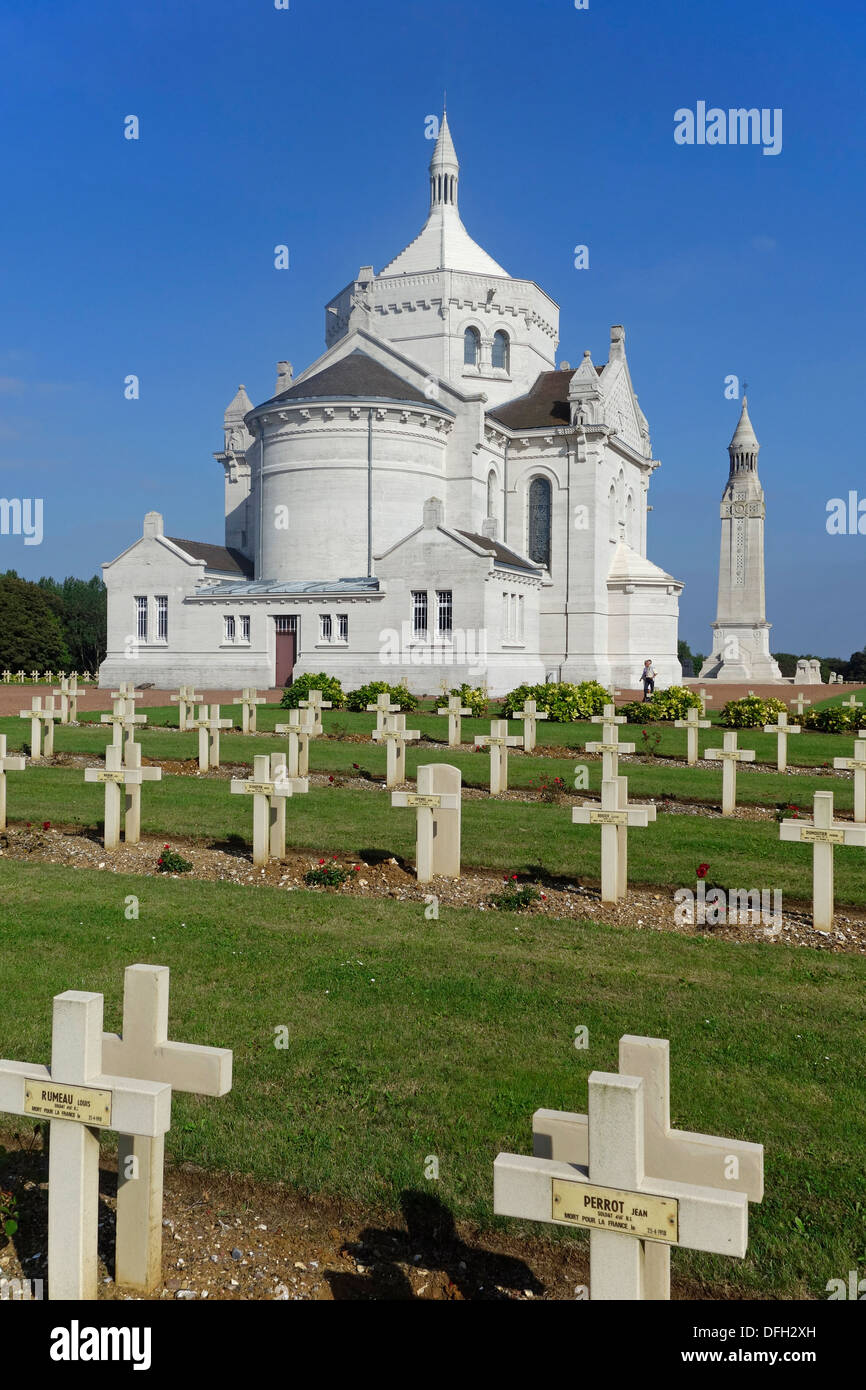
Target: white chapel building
[{"x": 432, "y": 499}]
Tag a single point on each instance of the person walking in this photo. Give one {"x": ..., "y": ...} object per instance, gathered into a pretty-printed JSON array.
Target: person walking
[{"x": 648, "y": 679}]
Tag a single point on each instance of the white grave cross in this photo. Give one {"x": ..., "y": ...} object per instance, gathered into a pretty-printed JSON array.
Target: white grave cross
[
  {"x": 801, "y": 703},
  {"x": 143, "y": 1051},
  {"x": 530, "y": 715},
  {"x": 395, "y": 736},
  {"x": 302, "y": 727},
  {"x": 124, "y": 722},
  {"x": 610, "y": 746},
  {"x": 264, "y": 789},
  {"x": 852, "y": 704},
  {"x": 78, "y": 1098},
  {"x": 782, "y": 729},
  {"x": 132, "y": 808},
  {"x": 615, "y": 816},
  {"x": 40, "y": 717},
  {"x": 115, "y": 776},
  {"x": 437, "y": 803},
  {"x": 499, "y": 741},
  {"x": 455, "y": 710},
  {"x": 249, "y": 699},
  {"x": 209, "y": 725},
  {"x": 185, "y": 698},
  {"x": 823, "y": 834},
  {"x": 857, "y": 765},
  {"x": 382, "y": 707},
  {"x": 729, "y": 756},
  {"x": 623, "y": 1208},
  {"x": 315, "y": 704},
  {"x": 691, "y": 724},
  {"x": 729, "y": 1164},
  {"x": 9, "y": 764},
  {"x": 68, "y": 693}
]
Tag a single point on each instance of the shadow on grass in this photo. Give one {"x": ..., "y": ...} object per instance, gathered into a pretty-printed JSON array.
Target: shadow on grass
[{"x": 431, "y": 1242}]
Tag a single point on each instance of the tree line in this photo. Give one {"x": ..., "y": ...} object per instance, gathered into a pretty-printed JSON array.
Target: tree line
[{"x": 54, "y": 624}]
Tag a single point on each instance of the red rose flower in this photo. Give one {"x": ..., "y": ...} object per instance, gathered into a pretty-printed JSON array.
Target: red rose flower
[
  {"x": 46, "y": 825},
  {"x": 702, "y": 870}
]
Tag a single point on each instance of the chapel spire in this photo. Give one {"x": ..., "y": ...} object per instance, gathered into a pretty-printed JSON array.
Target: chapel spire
[
  {"x": 744, "y": 447},
  {"x": 444, "y": 169}
]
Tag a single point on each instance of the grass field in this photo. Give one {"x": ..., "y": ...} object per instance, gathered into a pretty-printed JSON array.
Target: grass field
[{"x": 410, "y": 1037}]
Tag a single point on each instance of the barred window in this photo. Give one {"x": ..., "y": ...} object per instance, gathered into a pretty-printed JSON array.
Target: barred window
[
  {"x": 245, "y": 627},
  {"x": 419, "y": 615},
  {"x": 162, "y": 617},
  {"x": 444, "y": 613},
  {"x": 141, "y": 619},
  {"x": 343, "y": 627},
  {"x": 228, "y": 628},
  {"x": 325, "y": 627}
]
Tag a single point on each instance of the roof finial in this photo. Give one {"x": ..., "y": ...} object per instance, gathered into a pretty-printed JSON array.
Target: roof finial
[{"x": 445, "y": 102}]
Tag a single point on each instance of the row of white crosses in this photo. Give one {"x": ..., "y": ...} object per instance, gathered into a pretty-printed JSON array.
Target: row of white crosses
[
  {"x": 98, "y": 1081},
  {"x": 68, "y": 693},
  {"x": 615, "y": 814},
  {"x": 637, "y": 1185},
  {"x": 185, "y": 700},
  {"x": 41, "y": 717},
  {"x": 123, "y": 775}
]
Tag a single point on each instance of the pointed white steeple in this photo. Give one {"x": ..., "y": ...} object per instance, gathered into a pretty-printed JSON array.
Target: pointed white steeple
[
  {"x": 443, "y": 243},
  {"x": 744, "y": 447},
  {"x": 238, "y": 437}
]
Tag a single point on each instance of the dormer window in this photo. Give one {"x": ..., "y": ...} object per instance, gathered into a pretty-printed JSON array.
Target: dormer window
[{"x": 471, "y": 347}]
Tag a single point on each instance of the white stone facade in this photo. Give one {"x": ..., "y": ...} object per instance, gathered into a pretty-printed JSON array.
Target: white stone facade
[{"x": 431, "y": 500}]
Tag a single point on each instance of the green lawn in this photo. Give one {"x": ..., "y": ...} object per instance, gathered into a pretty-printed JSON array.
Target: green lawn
[{"x": 410, "y": 1037}]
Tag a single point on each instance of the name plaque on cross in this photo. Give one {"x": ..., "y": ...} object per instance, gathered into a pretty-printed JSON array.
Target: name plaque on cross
[
  {"x": 611, "y": 1209},
  {"x": 82, "y": 1103},
  {"x": 415, "y": 799},
  {"x": 608, "y": 817},
  {"x": 816, "y": 836}
]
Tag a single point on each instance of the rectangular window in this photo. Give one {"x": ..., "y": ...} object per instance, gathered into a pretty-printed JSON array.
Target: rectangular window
[
  {"x": 419, "y": 615},
  {"x": 229, "y": 628},
  {"x": 162, "y": 617},
  {"x": 444, "y": 614},
  {"x": 506, "y": 616},
  {"x": 245, "y": 627},
  {"x": 141, "y": 619},
  {"x": 286, "y": 624},
  {"x": 325, "y": 627},
  {"x": 519, "y": 633},
  {"x": 342, "y": 627}
]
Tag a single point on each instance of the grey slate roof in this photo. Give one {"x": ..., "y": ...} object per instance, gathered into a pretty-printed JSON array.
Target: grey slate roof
[
  {"x": 545, "y": 404},
  {"x": 502, "y": 554},
  {"x": 355, "y": 377},
  {"x": 216, "y": 557},
  {"x": 253, "y": 587}
]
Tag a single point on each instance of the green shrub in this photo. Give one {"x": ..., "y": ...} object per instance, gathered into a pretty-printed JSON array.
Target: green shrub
[
  {"x": 638, "y": 712},
  {"x": 170, "y": 862},
  {"x": 472, "y": 697},
  {"x": 674, "y": 703},
  {"x": 329, "y": 874},
  {"x": 562, "y": 701},
  {"x": 514, "y": 898},
  {"x": 751, "y": 712},
  {"x": 330, "y": 687},
  {"x": 835, "y": 719},
  {"x": 365, "y": 695}
]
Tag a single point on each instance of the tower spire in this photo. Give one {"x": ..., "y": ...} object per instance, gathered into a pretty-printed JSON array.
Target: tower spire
[
  {"x": 744, "y": 447},
  {"x": 444, "y": 169}
]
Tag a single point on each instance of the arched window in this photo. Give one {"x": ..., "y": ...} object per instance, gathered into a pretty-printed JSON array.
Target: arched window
[
  {"x": 491, "y": 493},
  {"x": 611, "y": 514},
  {"x": 471, "y": 347},
  {"x": 629, "y": 521},
  {"x": 501, "y": 350},
  {"x": 540, "y": 517}
]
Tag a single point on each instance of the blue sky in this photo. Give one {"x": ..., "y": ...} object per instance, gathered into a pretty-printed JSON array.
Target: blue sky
[{"x": 306, "y": 127}]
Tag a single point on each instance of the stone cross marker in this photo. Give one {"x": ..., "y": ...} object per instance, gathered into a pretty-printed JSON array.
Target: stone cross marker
[
  {"x": 115, "y": 776},
  {"x": 302, "y": 727},
  {"x": 691, "y": 724},
  {"x": 10, "y": 764},
  {"x": 40, "y": 718},
  {"x": 78, "y": 1098},
  {"x": 127, "y": 691},
  {"x": 382, "y": 707},
  {"x": 823, "y": 834},
  {"x": 529, "y": 714},
  {"x": 455, "y": 710},
  {"x": 782, "y": 729},
  {"x": 437, "y": 803},
  {"x": 614, "y": 815},
  {"x": 132, "y": 809},
  {"x": 209, "y": 725},
  {"x": 279, "y": 773},
  {"x": 498, "y": 741},
  {"x": 68, "y": 693},
  {"x": 315, "y": 704},
  {"x": 703, "y": 698},
  {"x": 610, "y": 746},
  {"x": 185, "y": 698},
  {"x": 617, "y": 1201},
  {"x": 395, "y": 736},
  {"x": 249, "y": 700},
  {"x": 852, "y": 704},
  {"x": 729, "y": 756},
  {"x": 689, "y": 1158},
  {"x": 857, "y": 765},
  {"x": 801, "y": 703},
  {"x": 143, "y": 1051},
  {"x": 124, "y": 722},
  {"x": 265, "y": 790}
]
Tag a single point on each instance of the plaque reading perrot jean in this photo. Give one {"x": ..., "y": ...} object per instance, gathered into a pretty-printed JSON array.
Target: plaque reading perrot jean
[
  {"x": 55, "y": 1100},
  {"x": 610, "y": 1209}
]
